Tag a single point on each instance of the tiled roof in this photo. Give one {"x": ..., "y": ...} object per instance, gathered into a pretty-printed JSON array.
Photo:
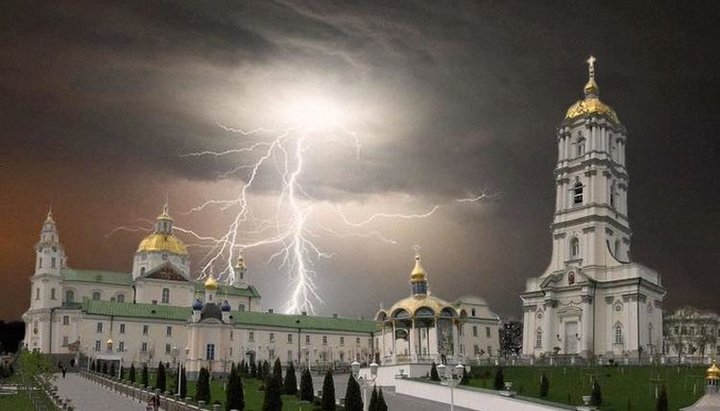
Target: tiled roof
[
  {"x": 306, "y": 322},
  {"x": 96, "y": 276},
  {"x": 130, "y": 310}
]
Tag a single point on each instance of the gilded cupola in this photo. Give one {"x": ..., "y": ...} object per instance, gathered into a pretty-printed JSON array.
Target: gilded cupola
[
  {"x": 162, "y": 239},
  {"x": 591, "y": 104}
]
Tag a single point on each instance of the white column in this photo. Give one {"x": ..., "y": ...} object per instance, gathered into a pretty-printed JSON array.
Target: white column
[
  {"x": 587, "y": 324},
  {"x": 548, "y": 332},
  {"x": 593, "y": 138},
  {"x": 412, "y": 340}
]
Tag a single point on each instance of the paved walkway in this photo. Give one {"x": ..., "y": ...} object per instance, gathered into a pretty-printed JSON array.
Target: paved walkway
[{"x": 88, "y": 396}]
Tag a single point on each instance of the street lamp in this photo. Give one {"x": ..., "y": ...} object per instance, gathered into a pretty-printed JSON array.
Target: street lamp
[
  {"x": 364, "y": 382},
  {"x": 449, "y": 374}
]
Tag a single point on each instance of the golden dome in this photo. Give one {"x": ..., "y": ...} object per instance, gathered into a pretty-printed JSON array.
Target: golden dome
[
  {"x": 591, "y": 105},
  {"x": 713, "y": 373},
  {"x": 162, "y": 242},
  {"x": 418, "y": 273},
  {"x": 412, "y": 304},
  {"x": 211, "y": 284}
]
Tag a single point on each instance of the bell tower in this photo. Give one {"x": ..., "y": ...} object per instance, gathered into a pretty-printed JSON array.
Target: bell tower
[
  {"x": 590, "y": 226},
  {"x": 50, "y": 258}
]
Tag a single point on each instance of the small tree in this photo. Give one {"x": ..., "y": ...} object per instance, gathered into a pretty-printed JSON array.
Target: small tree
[
  {"x": 373, "y": 400},
  {"x": 183, "y": 383},
  {"x": 465, "y": 380},
  {"x": 307, "y": 392},
  {"x": 353, "y": 398},
  {"x": 122, "y": 373},
  {"x": 144, "y": 380},
  {"x": 235, "y": 399},
  {"x": 499, "y": 383},
  {"x": 382, "y": 406},
  {"x": 433, "y": 372},
  {"x": 202, "y": 389},
  {"x": 290, "y": 383},
  {"x": 273, "y": 389},
  {"x": 328, "y": 393},
  {"x": 160, "y": 380},
  {"x": 93, "y": 366},
  {"x": 662, "y": 401},
  {"x": 544, "y": 386},
  {"x": 131, "y": 373},
  {"x": 253, "y": 369},
  {"x": 596, "y": 394}
]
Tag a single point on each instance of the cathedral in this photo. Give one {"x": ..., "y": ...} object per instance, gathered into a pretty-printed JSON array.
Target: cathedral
[{"x": 592, "y": 300}]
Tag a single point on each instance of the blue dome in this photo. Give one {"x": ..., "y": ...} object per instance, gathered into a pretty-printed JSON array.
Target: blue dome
[
  {"x": 225, "y": 306},
  {"x": 197, "y": 305}
]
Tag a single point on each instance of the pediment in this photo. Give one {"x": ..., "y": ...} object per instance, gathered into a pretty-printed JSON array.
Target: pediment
[{"x": 166, "y": 272}]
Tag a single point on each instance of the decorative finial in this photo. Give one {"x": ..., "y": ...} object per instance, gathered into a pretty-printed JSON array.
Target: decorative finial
[
  {"x": 591, "y": 67},
  {"x": 416, "y": 248},
  {"x": 49, "y": 214}
]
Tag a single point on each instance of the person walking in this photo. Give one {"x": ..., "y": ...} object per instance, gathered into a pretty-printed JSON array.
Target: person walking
[{"x": 62, "y": 368}]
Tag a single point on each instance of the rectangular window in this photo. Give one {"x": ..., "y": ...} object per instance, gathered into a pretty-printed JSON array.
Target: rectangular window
[
  {"x": 37, "y": 293},
  {"x": 578, "y": 194},
  {"x": 66, "y": 320},
  {"x": 307, "y": 339},
  {"x": 145, "y": 329},
  {"x": 538, "y": 339},
  {"x": 475, "y": 331},
  {"x": 290, "y": 338},
  {"x": 40, "y": 262},
  {"x": 121, "y": 346},
  {"x": 65, "y": 340},
  {"x": 99, "y": 327},
  {"x": 357, "y": 341},
  {"x": 167, "y": 348},
  {"x": 324, "y": 339},
  {"x": 143, "y": 347},
  {"x": 168, "y": 331},
  {"x": 290, "y": 356},
  {"x": 487, "y": 332},
  {"x": 251, "y": 336},
  {"x": 52, "y": 262},
  {"x": 122, "y": 328},
  {"x": 52, "y": 293},
  {"x": 210, "y": 352},
  {"x": 342, "y": 340},
  {"x": 166, "y": 295},
  {"x": 272, "y": 337},
  {"x": 231, "y": 351},
  {"x": 97, "y": 345}
]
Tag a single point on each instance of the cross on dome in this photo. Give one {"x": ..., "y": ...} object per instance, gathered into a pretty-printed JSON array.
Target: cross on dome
[{"x": 591, "y": 66}]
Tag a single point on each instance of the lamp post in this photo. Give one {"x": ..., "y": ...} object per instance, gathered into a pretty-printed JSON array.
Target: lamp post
[
  {"x": 449, "y": 374},
  {"x": 364, "y": 382}
]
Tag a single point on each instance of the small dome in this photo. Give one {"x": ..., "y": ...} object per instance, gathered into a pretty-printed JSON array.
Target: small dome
[
  {"x": 713, "y": 373},
  {"x": 210, "y": 310},
  {"x": 197, "y": 305},
  {"x": 591, "y": 106},
  {"x": 225, "y": 306},
  {"x": 211, "y": 284},
  {"x": 418, "y": 273}
]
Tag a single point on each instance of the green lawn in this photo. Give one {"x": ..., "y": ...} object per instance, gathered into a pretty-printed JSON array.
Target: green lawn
[
  {"x": 15, "y": 402},
  {"x": 623, "y": 388}
]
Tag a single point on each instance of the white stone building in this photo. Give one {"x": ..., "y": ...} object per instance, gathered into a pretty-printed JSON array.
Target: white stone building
[
  {"x": 159, "y": 312},
  {"x": 691, "y": 335},
  {"x": 592, "y": 299}
]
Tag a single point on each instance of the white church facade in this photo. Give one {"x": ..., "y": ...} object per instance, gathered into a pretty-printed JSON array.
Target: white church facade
[{"x": 592, "y": 300}]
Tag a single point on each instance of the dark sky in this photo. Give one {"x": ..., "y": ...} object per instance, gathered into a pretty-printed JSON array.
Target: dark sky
[{"x": 100, "y": 100}]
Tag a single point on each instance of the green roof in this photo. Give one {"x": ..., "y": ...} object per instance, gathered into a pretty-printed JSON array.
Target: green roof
[
  {"x": 251, "y": 291},
  {"x": 303, "y": 321},
  {"x": 130, "y": 310},
  {"x": 96, "y": 276}
]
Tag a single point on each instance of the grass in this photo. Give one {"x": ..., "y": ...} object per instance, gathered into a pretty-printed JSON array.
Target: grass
[
  {"x": 623, "y": 388},
  {"x": 15, "y": 402}
]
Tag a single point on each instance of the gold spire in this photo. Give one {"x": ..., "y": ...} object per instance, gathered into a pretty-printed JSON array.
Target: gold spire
[
  {"x": 418, "y": 273},
  {"x": 591, "y": 104},
  {"x": 49, "y": 218},
  {"x": 712, "y": 373},
  {"x": 165, "y": 215},
  {"x": 211, "y": 284},
  {"x": 591, "y": 89}
]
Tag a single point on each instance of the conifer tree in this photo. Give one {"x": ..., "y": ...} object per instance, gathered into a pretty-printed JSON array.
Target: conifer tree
[
  {"x": 382, "y": 405},
  {"x": 253, "y": 369},
  {"x": 596, "y": 394},
  {"x": 434, "y": 373},
  {"x": 307, "y": 391},
  {"x": 183, "y": 383},
  {"x": 242, "y": 368},
  {"x": 202, "y": 389},
  {"x": 662, "y": 401},
  {"x": 353, "y": 398},
  {"x": 111, "y": 372},
  {"x": 273, "y": 388},
  {"x": 499, "y": 383},
  {"x": 131, "y": 373},
  {"x": 290, "y": 383},
  {"x": 93, "y": 366},
  {"x": 247, "y": 370},
  {"x": 328, "y": 393},
  {"x": 144, "y": 381},
  {"x": 544, "y": 386},
  {"x": 235, "y": 399},
  {"x": 465, "y": 380},
  {"x": 373, "y": 400},
  {"x": 122, "y": 373},
  {"x": 160, "y": 380}
]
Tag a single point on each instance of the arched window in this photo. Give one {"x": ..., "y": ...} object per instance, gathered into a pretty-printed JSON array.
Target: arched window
[
  {"x": 96, "y": 295},
  {"x": 577, "y": 193},
  {"x": 69, "y": 296},
  {"x": 166, "y": 296},
  {"x": 142, "y": 270},
  {"x": 241, "y": 307},
  {"x": 612, "y": 194},
  {"x": 580, "y": 147},
  {"x": 574, "y": 247},
  {"x": 121, "y": 298},
  {"x": 618, "y": 333},
  {"x": 538, "y": 338},
  {"x": 571, "y": 278}
]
